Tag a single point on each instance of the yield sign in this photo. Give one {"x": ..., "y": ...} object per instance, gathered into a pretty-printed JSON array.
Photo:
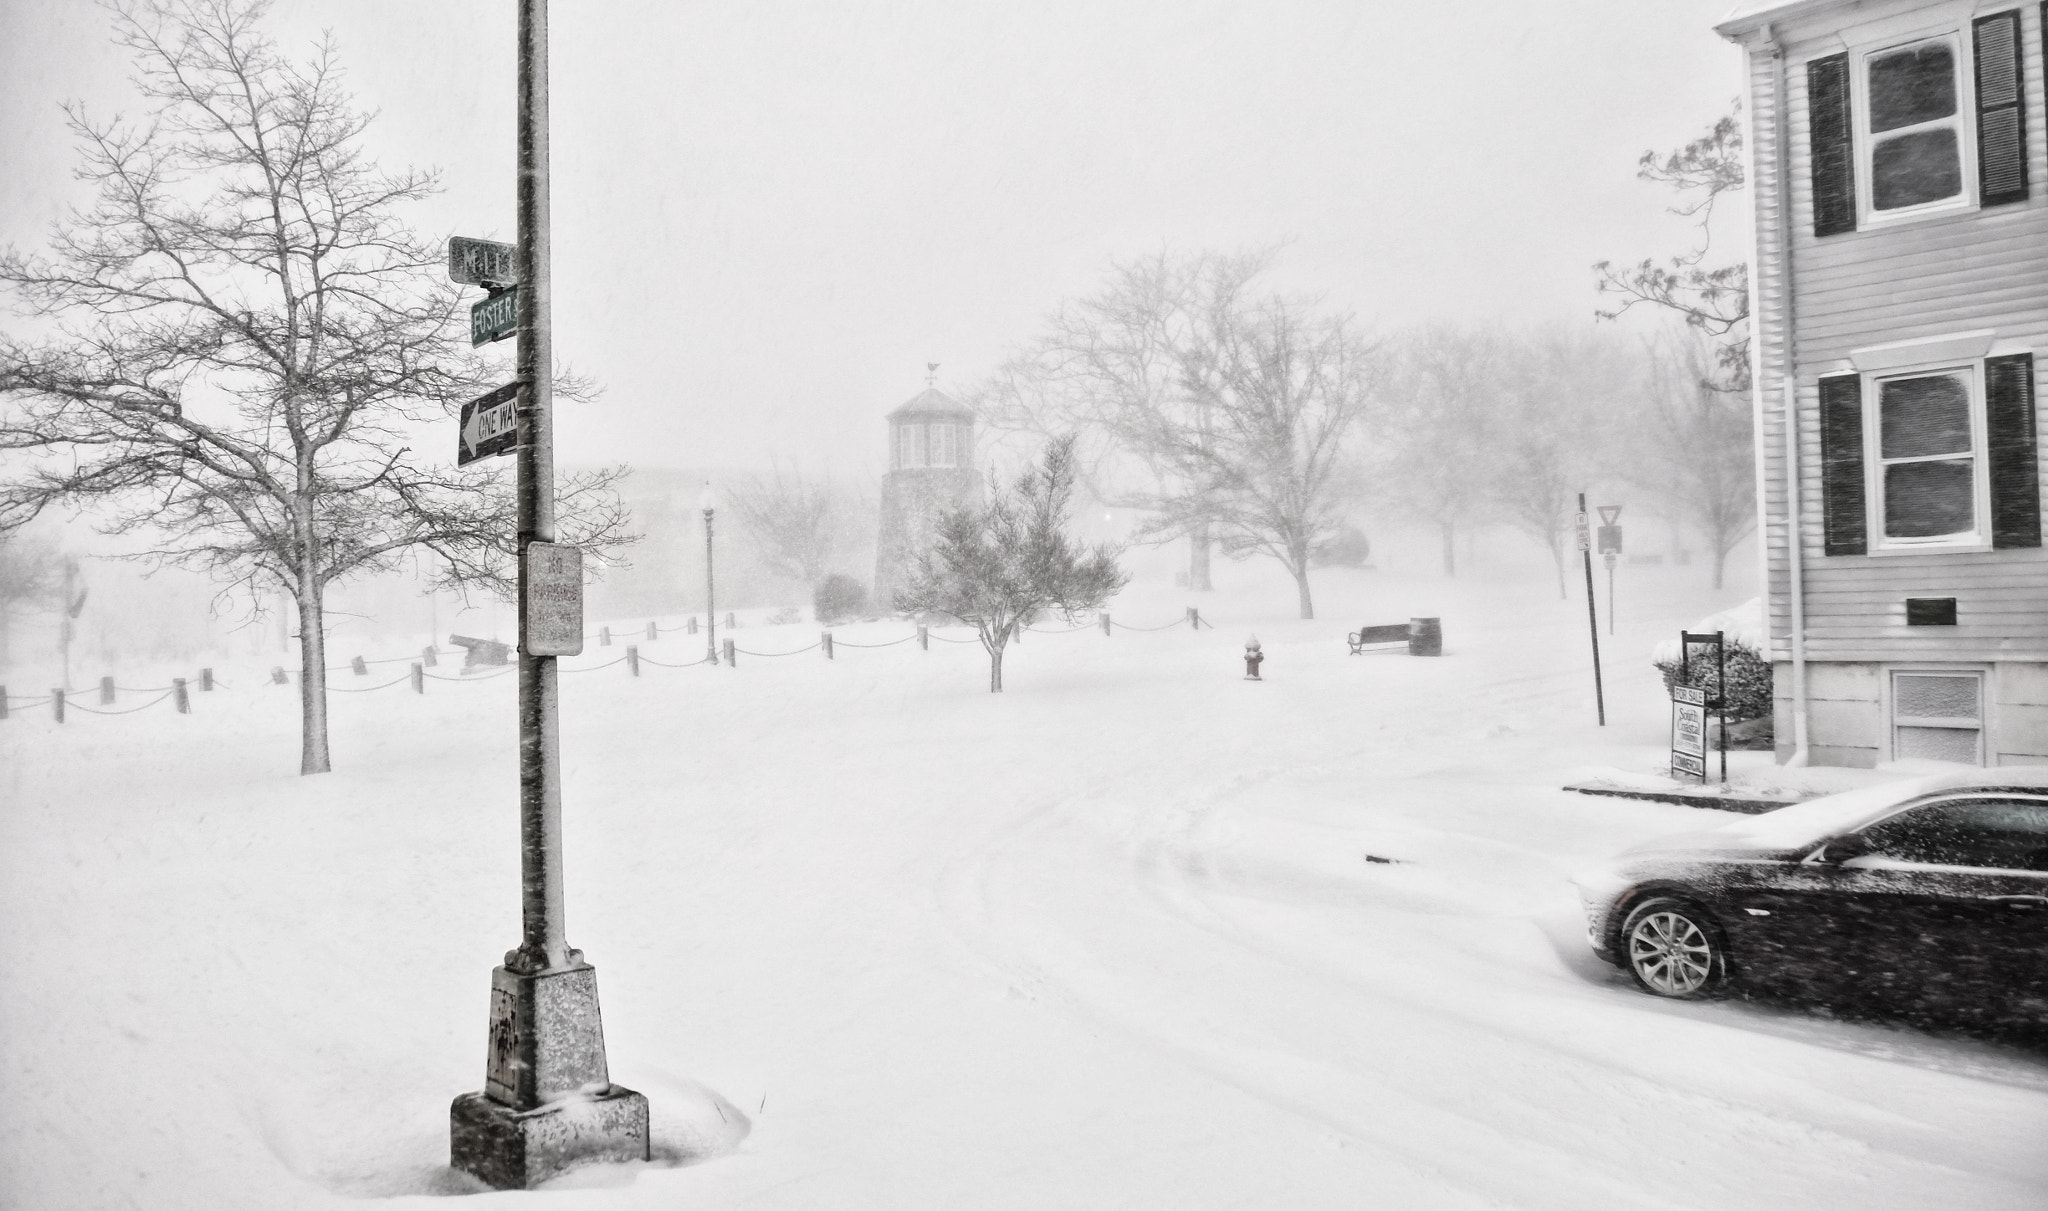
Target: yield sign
[
  {"x": 1608, "y": 513},
  {"x": 490, "y": 425}
]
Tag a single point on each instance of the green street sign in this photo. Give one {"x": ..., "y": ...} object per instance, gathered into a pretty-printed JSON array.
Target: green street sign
[{"x": 494, "y": 319}]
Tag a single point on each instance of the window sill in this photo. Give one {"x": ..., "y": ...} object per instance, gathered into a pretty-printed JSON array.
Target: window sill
[
  {"x": 1872, "y": 220},
  {"x": 1973, "y": 547}
]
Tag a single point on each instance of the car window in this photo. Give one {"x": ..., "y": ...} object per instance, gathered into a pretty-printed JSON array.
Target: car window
[{"x": 1999, "y": 832}]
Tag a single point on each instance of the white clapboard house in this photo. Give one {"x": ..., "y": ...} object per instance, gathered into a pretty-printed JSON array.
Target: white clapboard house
[{"x": 1900, "y": 174}]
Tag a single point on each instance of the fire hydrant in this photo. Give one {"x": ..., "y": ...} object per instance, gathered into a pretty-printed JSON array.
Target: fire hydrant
[{"x": 1252, "y": 659}]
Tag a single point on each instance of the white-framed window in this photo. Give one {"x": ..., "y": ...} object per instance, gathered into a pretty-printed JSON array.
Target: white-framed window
[
  {"x": 906, "y": 445},
  {"x": 1937, "y": 714},
  {"x": 944, "y": 447},
  {"x": 1915, "y": 146},
  {"x": 1924, "y": 435}
]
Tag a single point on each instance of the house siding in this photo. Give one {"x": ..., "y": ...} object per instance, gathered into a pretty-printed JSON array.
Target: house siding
[{"x": 1958, "y": 272}]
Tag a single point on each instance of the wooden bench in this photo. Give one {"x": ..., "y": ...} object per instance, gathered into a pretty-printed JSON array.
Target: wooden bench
[{"x": 1365, "y": 637}]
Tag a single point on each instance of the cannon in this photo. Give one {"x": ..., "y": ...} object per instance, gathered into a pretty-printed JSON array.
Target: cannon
[{"x": 477, "y": 653}]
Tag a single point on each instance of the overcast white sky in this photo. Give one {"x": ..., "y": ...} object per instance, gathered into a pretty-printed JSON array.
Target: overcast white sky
[{"x": 768, "y": 217}]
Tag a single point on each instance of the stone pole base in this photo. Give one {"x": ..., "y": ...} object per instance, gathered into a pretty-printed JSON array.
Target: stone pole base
[
  {"x": 519, "y": 1149},
  {"x": 548, "y": 1103}
]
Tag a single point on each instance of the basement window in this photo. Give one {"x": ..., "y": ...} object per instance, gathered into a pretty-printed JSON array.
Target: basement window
[{"x": 1938, "y": 716}]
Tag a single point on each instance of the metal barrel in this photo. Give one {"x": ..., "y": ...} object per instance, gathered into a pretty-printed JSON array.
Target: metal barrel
[{"x": 1425, "y": 637}]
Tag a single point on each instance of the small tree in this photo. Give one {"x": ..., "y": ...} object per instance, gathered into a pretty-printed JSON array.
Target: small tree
[{"x": 996, "y": 566}]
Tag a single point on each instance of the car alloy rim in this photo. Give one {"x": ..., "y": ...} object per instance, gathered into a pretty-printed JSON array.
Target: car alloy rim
[{"x": 1670, "y": 953}]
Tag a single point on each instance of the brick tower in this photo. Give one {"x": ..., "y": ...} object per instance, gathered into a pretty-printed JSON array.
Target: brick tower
[{"x": 931, "y": 468}]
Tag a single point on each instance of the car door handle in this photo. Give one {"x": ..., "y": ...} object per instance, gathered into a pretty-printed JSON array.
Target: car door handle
[{"x": 2021, "y": 901}]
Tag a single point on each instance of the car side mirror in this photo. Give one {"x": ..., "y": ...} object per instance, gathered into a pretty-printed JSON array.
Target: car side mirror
[{"x": 1841, "y": 849}]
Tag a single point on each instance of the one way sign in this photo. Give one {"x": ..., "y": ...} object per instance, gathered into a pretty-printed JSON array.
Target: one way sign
[{"x": 490, "y": 425}]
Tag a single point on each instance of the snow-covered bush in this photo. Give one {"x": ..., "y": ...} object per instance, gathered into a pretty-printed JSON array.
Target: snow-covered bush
[
  {"x": 1749, "y": 672},
  {"x": 837, "y": 598}
]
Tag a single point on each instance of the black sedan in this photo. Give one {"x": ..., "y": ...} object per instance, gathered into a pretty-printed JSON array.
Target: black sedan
[{"x": 1926, "y": 897}]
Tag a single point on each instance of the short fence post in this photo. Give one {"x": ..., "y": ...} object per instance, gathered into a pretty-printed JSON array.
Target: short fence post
[
  {"x": 57, "y": 703},
  {"x": 356, "y": 663},
  {"x": 106, "y": 691},
  {"x": 633, "y": 659},
  {"x": 1105, "y": 622},
  {"x": 277, "y": 676},
  {"x": 825, "y": 638},
  {"x": 653, "y": 632},
  {"x": 924, "y": 637},
  {"x": 3, "y": 702},
  {"x": 1195, "y": 617},
  {"x": 730, "y": 624},
  {"x": 604, "y": 637},
  {"x": 693, "y": 624},
  {"x": 731, "y": 654},
  {"x": 179, "y": 697},
  {"x": 419, "y": 678},
  {"x": 206, "y": 680},
  {"x": 428, "y": 656}
]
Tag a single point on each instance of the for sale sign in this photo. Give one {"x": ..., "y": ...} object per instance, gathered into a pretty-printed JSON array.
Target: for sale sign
[{"x": 1688, "y": 732}]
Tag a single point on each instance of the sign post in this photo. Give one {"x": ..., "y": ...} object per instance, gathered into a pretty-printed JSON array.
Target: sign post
[
  {"x": 1610, "y": 550},
  {"x": 1592, "y": 613},
  {"x": 1687, "y": 640},
  {"x": 548, "y": 1102}
]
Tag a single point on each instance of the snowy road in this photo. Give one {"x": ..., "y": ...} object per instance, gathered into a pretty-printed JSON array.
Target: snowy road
[{"x": 1110, "y": 940}]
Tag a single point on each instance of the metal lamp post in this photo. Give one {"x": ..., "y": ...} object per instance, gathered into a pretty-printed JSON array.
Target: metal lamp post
[{"x": 707, "y": 500}]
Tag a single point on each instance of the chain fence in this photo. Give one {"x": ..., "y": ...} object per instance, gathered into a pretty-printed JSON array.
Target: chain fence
[{"x": 182, "y": 689}]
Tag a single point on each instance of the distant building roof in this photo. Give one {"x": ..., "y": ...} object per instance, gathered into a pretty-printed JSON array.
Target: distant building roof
[{"x": 930, "y": 401}]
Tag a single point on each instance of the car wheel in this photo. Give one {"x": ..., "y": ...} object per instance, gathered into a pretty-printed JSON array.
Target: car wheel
[{"x": 1673, "y": 949}]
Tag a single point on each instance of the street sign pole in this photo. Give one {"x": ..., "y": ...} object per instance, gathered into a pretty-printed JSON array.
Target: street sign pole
[
  {"x": 1609, "y": 561},
  {"x": 548, "y": 1102},
  {"x": 1592, "y": 611}
]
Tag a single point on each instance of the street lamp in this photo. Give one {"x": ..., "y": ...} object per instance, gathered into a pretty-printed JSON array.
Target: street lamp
[{"x": 707, "y": 500}]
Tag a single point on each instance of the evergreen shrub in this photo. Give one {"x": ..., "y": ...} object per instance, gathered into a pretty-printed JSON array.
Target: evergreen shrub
[{"x": 837, "y": 598}]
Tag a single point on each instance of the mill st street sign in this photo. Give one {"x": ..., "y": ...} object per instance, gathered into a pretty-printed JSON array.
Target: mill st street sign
[
  {"x": 490, "y": 425},
  {"x": 482, "y": 262}
]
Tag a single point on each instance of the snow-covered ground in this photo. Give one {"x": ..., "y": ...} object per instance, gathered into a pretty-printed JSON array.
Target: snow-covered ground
[{"x": 869, "y": 936}]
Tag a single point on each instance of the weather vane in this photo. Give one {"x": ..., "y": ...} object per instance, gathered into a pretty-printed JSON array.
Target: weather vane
[{"x": 931, "y": 377}]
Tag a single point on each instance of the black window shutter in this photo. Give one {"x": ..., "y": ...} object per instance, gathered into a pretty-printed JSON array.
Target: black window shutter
[
  {"x": 1834, "y": 156},
  {"x": 2015, "y": 460},
  {"x": 1841, "y": 464},
  {"x": 2001, "y": 110}
]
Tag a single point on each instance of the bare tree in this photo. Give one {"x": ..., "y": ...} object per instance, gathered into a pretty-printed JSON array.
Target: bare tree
[
  {"x": 1278, "y": 388},
  {"x": 1713, "y": 299},
  {"x": 1235, "y": 406},
  {"x": 1558, "y": 421},
  {"x": 793, "y": 521},
  {"x": 1438, "y": 425},
  {"x": 31, "y": 578},
  {"x": 1107, "y": 369},
  {"x": 239, "y": 333},
  {"x": 1699, "y": 448},
  {"x": 997, "y": 565}
]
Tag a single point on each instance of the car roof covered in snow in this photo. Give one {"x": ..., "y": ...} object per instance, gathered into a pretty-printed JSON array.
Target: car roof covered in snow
[{"x": 1816, "y": 819}]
